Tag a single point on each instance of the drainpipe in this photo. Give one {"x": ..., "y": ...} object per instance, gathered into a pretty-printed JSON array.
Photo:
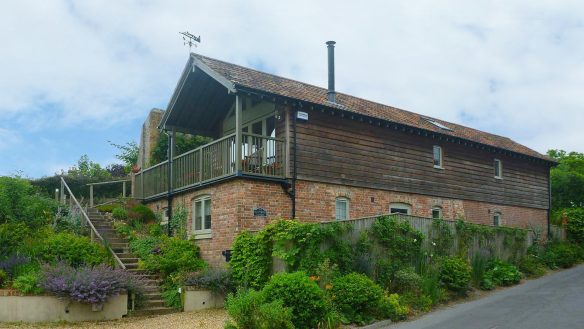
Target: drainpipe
[
  {"x": 294, "y": 175},
  {"x": 170, "y": 154},
  {"x": 549, "y": 211}
]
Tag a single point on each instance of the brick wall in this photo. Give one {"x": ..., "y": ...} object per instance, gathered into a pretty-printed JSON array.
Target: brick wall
[{"x": 233, "y": 202}]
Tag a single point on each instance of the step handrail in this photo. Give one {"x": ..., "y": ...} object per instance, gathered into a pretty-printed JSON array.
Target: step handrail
[{"x": 93, "y": 229}]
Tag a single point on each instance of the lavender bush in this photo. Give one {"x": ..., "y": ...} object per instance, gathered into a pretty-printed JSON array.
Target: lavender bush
[{"x": 89, "y": 285}]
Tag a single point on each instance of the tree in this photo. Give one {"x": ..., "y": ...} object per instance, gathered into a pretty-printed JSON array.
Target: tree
[
  {"x": 183, "y": 143},
  {"x": 89, "y": 169},
  {"x": 567, "y": 179},
  {"x": 128, "y": 154}
]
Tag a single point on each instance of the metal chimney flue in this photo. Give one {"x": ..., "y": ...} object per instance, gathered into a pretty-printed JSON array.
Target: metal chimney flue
[{"x": 331, "y": 95}]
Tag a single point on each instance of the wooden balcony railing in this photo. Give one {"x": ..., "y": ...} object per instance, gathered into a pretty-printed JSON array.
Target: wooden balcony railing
[{"x": 261, "y": 156}]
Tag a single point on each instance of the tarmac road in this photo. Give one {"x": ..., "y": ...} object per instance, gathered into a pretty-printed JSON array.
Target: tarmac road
[{"x": 555, "y": 301}]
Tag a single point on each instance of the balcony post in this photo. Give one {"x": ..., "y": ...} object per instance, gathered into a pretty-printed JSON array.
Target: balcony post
[
  {"x": 238, "y": 139},
  {"x": 91, "y": 195}
]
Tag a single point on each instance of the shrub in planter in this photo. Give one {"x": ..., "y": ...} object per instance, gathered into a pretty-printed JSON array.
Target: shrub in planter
[
  {"x": 455, "y": 274},
  {"x": 302, "y": 295},
  {"x": 562, "y": 254},
  {"x": 500, "y": 273},
  {"x": 119, "y": 213},
  {"x": 28, "y": 284},
  {"x": 72, "y": 249},
  {"x": 249, "y": 310},
  {"x": 89, "y": 285},
  {"x": 175, "y": 256},
  {"x": 391, "y": 307},
  {"x": 11, "y": 237},
  {"x": 531, "y": 266},
  {"x": 357, "y": 297},
  {"x": 218, "y": 281}
]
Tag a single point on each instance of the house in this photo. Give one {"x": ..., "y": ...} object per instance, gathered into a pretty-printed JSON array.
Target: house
[{"x": 284, "y": 148}]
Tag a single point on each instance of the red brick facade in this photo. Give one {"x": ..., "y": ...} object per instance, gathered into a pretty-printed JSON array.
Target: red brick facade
[{"x": 234, "y": 201}]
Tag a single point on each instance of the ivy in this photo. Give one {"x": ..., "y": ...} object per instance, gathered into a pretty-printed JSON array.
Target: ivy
[
  {"x": 401, "y": 241},
  {"x": 251, "y": 259}
]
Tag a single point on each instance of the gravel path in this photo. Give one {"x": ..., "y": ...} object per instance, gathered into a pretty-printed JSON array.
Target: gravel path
[{"x": 208, "y": 319}]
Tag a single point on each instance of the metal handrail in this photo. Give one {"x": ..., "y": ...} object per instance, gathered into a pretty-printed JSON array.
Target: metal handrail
[{"x": 93, "y": 229}]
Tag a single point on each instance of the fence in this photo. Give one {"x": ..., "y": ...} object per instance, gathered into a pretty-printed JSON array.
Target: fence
[{"x": 499, "y": 242}]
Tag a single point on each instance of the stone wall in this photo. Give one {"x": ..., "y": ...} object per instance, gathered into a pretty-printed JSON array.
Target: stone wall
[{"x": 149, "y": 137}]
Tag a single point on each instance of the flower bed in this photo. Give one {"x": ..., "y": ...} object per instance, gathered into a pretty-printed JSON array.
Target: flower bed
[{"x": 15, "y": 307}]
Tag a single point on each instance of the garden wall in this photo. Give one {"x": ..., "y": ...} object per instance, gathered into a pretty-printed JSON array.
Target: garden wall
[
  {"x": 51, "y": 309},
  {"x": 196, "y": 299}
]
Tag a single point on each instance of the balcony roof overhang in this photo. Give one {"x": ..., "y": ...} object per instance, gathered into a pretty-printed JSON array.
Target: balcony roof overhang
[{"x": 200, "y": 100}]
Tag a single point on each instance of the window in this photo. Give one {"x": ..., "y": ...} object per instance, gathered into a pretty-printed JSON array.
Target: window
[
  {"x": 497, "y": 219},
  {"x": 437, "y": 156},
  {"x": 498, "y": 169},
  {"x": 436, "y": 212},
  {"x": 202, "y": 217},
  {"x": 342, "y": 208},
  {"x": 400, "y": 208}
]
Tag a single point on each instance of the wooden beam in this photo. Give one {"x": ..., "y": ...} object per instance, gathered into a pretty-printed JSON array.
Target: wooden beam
[{"x": 238, "y": 137}]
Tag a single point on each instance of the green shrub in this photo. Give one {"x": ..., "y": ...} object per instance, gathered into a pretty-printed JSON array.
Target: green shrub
[
  {"x": 302, "y": 295},
  {"x": 249, "y": 310},
  {"x": 406, "y": 280},
  {"x": 142, "y": 214},
  {"x": 3, "y": 278},
  {"x": 155, "y": 230},
  {"x": 455, "y": 274},
  {"x": 251, "y": 260},
  {"x": 357, "y": 297},
  {"x": 73, "y": 250},
  {"x": 531, "y": 266},
  {"x": 384, "y": 272},
  {"x": 11, "y": 238},
  {"x": 170, "y": 295},
  {"x": 562, "y": 254},
  {"x": 500, "y": 273},
  {"x": 432, "y": 288},
  {"x": 401, "y": 240},
  {"x": 28, "y": 284},
  {"x": 175, "y": 256},
  {"x": 145, "y": 246},
  {"x": 391, "y": 307},
  {"x": 20, "y": 203},
  {"x": 479, "y": 266},
  {"x": 416, "y": 301},
  {"x": 575, "y": 227},
  {"x": 120, "y": 213},
  {"x": 108, "y": 207}
]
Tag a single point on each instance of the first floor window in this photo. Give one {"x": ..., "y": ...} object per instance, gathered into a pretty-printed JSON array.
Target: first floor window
[
  {"x": 497, "y": 219},
  {"x": 400, "y": 208},
  {"x": 342, "y": 208},
  {"x": 437, "y": 156},
  {"x": 498, "y": 169},
  {"x": 436, "y": 212},
  {"x": 202, "y": 215}
]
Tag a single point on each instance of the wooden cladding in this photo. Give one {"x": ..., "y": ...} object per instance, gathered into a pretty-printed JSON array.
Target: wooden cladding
[{"x": 341, "y": 151}]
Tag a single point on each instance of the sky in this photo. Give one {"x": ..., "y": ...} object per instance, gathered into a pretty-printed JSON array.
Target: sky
[{"x": 77, "y": 74}]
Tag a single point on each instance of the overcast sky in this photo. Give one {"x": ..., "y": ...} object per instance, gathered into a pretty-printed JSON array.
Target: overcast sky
[{"x": 75, "y": 74}]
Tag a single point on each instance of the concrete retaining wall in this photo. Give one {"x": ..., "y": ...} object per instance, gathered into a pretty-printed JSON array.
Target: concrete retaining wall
[
  {"x": 50, "y": 309},
  {"x": 196, "y": 300}
]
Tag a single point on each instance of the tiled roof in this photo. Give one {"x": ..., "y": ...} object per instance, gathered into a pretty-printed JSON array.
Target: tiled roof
[{"x": 253, "y": 79}]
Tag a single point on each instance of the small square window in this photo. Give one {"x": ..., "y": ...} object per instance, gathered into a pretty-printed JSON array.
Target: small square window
[
  {"x": 436, "y": 213},
  {"x": 498, "y": 166},
  {"x": 437, "y": 156},
  {"x": 342, "y": 209}
]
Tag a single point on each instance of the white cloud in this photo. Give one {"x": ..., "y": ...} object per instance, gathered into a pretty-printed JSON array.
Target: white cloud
[{"x": 514, "y": 68}]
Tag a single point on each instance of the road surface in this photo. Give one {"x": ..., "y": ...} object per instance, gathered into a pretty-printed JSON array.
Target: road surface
[{"x": 552, "y": 302}]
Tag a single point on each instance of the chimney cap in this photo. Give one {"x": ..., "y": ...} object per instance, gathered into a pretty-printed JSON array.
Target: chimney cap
[{"x": 330, "y": 43}]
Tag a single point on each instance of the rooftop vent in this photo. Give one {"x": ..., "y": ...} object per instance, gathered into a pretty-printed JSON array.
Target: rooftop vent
[{"x": 331, "y": 95}]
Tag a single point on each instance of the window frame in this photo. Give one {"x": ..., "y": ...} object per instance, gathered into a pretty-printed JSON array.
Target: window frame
[
  {"x": 205, "y": 202},
  {"x": 346, "y": 202},
  {"x": 440, "y": 213},
  {"x": 400, "y": 205},
  {"x": 499, "y": 218},
  {"x": 498, "y": 165},
  {"x": 441, "y": 157}
]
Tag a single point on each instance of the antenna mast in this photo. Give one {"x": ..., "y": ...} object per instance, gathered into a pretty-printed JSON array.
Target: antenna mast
[{"x": 190, "y": 39}]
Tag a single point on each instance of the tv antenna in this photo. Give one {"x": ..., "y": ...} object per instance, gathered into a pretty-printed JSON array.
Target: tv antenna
[{"x": 190, "y": 39}]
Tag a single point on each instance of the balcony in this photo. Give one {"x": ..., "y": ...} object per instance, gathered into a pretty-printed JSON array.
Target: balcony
[{"x": 258, "y": 156}]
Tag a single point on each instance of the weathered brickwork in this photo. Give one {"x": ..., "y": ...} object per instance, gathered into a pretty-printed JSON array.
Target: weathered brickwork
[{"x": 233, "y": 203}]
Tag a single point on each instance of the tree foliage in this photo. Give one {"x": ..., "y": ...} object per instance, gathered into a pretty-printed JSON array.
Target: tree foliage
[
  {"x": 128, "y": 154},
  {"x": 567, "y": 179},
  {"x": 183, "y": 143}
]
